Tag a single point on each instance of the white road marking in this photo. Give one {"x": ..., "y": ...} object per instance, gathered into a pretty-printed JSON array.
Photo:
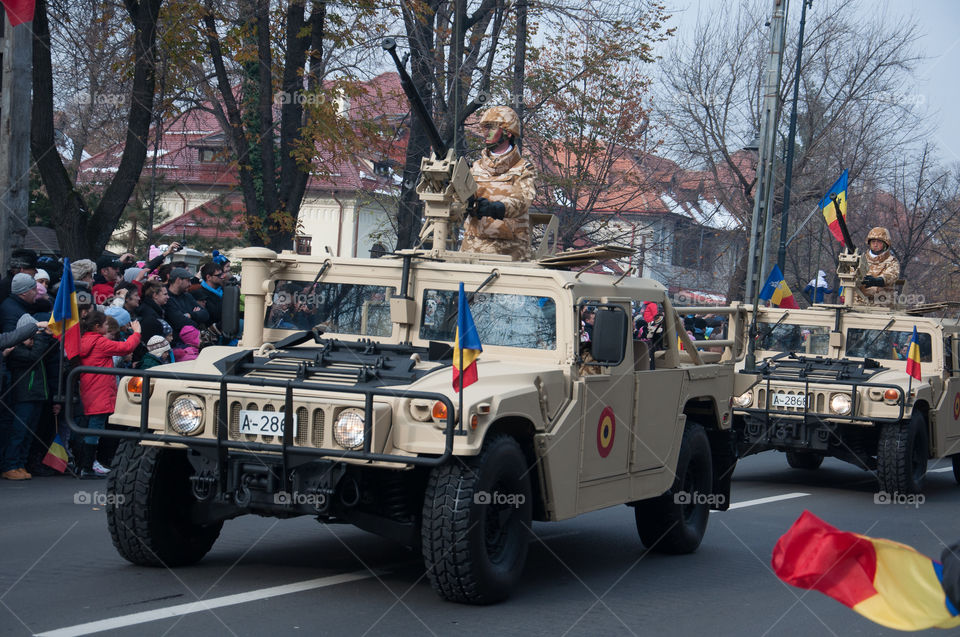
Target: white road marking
[
  {"x": 940, "y": 470},
  {"x": 202, "y": 605},
  {"x": 773, "y": 498}
]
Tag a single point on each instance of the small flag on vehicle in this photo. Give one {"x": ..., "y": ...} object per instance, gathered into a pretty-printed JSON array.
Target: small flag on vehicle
[
  {"x": 466, "y": 346},
  {"x": 913, "y": 355}
]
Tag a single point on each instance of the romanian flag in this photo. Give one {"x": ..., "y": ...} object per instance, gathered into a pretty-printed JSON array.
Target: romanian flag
[
  {"x": 56, "y": 457},
  {"x": 913, "y": 355},
  {"x": 65, "y": 320},
  {"x": 19, "y": 11},
  {"x": 777, "y": 291},
  {"x": 839, "y": 190},
  {"x": 887, "y": 582},
  {"x": 466, "y": 346}
]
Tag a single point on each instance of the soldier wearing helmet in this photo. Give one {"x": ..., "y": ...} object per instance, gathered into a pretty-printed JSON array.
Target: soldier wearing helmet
[
  {"x": 499, "y": 223},
  {"x": 883, "y": 269}
]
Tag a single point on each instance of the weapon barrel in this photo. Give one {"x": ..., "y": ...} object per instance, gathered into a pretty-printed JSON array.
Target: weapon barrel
[
  {"x": 848, "y": 242},
  {"x": 416, "y": 102}
]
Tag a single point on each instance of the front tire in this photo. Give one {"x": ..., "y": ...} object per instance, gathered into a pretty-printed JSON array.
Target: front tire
[
  {"x": 476, "y": 521},
  {"x": 804, "y": 460},
  {"x": 676, "y": 521},
  {"x": 149, "y": 519},
  {"x": 956, "y": 467},
  {"x": 902, "y": 455}
]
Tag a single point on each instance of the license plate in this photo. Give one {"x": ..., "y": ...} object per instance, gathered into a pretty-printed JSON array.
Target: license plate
[
  {"x": 788, "y": 400},
  {"x": 265, "y": 423}
]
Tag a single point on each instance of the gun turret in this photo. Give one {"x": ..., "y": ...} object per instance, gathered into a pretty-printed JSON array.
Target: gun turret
[
  {"x": 446, "y": 185},
  {"x": 851, "y": 266}
]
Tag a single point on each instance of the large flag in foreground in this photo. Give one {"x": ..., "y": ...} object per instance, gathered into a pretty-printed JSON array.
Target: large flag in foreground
[
  {"x": 886, "y": 582},
  {"x": 65, "y": 320},
  {"x": 467, "y": 341},
  {"x": 777, "y": 291},
  {"x": 913, "y": 355},
  {"x": 839, "y": 190},
  {"x": 19, "y": 11}
]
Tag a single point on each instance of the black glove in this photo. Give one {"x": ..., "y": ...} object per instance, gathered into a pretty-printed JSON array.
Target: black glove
[
  {"x": 873, "y": 282},
  {"x": 487, "y": 208}
]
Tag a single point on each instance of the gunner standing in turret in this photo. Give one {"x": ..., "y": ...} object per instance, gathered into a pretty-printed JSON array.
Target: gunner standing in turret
[
  {"x": 499, "y": 223},
  {"x": 883, "y": 269}
]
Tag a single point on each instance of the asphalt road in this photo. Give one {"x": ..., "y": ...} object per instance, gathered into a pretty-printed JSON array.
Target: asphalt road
[{"x": 59, "y": 573}]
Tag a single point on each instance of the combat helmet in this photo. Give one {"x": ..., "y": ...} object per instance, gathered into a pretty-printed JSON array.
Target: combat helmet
[
  {"x": 879, "y": 233},
  {"x": 504, "y": 117}
]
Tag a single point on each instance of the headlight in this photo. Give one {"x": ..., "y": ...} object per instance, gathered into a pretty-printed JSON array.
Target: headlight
[
  {"x": 744, "y": 400},
  {"x": 348, "y": 430},
  {"x": 840, "y": 404},
  {"x": 186, "y": 415}
]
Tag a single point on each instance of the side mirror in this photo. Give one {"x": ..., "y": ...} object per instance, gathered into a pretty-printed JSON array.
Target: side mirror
[
  {"x": 230, "y": 318},
  {"x": 609, "y": 336}
]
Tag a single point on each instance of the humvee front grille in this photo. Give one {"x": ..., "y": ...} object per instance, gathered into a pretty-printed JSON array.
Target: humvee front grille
[{"x": 309, "y": 426}]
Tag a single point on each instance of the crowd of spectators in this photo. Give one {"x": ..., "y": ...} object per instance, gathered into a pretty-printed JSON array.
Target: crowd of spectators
[{"x": 133, "y": 314}]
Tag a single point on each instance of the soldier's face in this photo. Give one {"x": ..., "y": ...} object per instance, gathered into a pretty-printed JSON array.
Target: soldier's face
[
  {"x": 493, "y": 136},
  {"x": 877, "y": 245}
]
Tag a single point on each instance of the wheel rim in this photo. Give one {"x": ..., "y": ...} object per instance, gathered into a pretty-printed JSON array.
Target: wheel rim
[{"x": 497, "y": 524}]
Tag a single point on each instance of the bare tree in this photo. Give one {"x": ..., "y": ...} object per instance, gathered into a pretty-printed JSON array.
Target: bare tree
[{"x": 851, "y": 113}]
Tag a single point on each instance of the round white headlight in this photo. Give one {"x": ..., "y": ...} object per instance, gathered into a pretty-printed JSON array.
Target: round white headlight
[
  {"x": 348, "y": 429},
  {"x": 186, "y": 415},
  {"x": 744, "y": 400},
  {"x": 840, "y": 404}
]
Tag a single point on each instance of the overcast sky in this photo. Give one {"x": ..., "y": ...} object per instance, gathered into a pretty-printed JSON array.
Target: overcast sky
[{"x": 937, "y": 89}]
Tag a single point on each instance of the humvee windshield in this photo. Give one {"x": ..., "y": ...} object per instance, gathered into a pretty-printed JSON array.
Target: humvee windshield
[
  {"x": 890, "y": 345},
  {"x": 806, "y": 339},
  {"x": 342, "y": 308},
  {"x": 512, "y": 320}
]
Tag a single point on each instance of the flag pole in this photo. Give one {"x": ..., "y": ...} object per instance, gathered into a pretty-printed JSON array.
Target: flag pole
[{"x": 460, "y": 390}]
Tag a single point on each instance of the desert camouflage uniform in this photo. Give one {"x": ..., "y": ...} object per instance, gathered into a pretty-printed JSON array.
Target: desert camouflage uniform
[
  {"x": 508, "y": 178},
  {"x": 883, "y": 265}
]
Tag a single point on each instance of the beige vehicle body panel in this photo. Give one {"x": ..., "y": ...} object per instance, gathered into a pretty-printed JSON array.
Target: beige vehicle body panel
[
  {"x": 937, "y": 394},
  {"x": 540, "y": 393}
]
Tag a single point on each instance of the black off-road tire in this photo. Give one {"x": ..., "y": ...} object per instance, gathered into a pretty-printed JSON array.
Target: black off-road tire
[
  {"x": 804, "y": 460},
  {"x": 151, "y": 503},
  {"x": 676, "y": 521},
  {"x": 476, "y": 521},
  {"x": 902, "y": 453}
]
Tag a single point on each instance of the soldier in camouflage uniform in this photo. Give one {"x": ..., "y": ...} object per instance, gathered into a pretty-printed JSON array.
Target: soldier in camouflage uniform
[
  {"x": 883, "y": 269},
  {"x": 499, "y": 223}
]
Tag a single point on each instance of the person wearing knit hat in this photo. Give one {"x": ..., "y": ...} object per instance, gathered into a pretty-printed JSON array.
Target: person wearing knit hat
[
  {"x": 119, "y": 314},
  {"x": 83, "y": 270},
  {"x": 23, "y": 291},
  {"x": 42, "y": 276},
  {"x": 158, "y": 352}
]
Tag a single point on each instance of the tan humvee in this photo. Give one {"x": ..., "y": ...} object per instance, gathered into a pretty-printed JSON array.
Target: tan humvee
[
  {"x": 356, "y": 352},
  {"x": 833, "y": 382}
]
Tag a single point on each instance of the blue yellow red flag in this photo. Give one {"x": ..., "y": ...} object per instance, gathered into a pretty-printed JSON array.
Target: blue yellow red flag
[
  {"x": 19, "y": 11},
  {"x": 913, "y": 355},
  {"x": 65, "y": 319},
  {"x": 885, "y": 581},
  {"x": 56, "y": 457},
  {"x": 466, "y": 346},
  {"x": 777, "y": 291},
  {"x": 838, "y": 190}
]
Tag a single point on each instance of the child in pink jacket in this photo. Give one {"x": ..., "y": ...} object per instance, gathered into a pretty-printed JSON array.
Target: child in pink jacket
[{"x": 188, "y": 347}]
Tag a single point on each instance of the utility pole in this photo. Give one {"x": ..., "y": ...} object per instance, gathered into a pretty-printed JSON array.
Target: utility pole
[
  {"x": 791, "y": 143},
  {"x": 763, "y": 198},
  {"x": 15, "y": 128}
]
